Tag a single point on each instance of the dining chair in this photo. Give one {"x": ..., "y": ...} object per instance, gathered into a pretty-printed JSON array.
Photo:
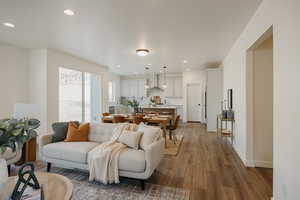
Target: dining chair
[
  {"x": 172, "y": 128},
  {"x": 137, "y": 119},
  {"x": 103, "y": 118},
  {"x": 105, "y": 114},
  {"x": 118, "y": 119}
]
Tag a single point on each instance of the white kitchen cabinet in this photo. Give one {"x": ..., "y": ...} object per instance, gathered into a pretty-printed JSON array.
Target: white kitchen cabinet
[
  {"x": 141, "y": 88},
  {"x": 169, "y": 90},
  {"x": 177, "y": 87},
  {"x": 125, "y": 88},
  {"x": 174, "y": 87},
  {"x": 133, "y": 88}
]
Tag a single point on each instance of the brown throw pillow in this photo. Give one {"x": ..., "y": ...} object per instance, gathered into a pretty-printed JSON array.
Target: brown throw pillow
[{"x": 78, "y": 133}]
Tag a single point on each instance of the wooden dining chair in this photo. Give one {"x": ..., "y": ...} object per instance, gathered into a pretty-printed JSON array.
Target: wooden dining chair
[
  {"x": 172, "y": 129},
  {"x": 118, "y": 119},
  {"x": 103, "y": 118},
  {"x": 137, "y": 119}
]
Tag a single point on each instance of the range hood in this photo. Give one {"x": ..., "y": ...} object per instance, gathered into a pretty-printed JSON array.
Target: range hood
[{"x": 155, "y": 84}]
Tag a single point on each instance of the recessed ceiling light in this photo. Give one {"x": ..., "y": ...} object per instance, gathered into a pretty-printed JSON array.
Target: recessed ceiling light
[
  {"x": 69, "y": 12},
  {"x": 8, "y": 24},
  {"x": 142, "y": 52},
  {"x": 184, "y": 61}
]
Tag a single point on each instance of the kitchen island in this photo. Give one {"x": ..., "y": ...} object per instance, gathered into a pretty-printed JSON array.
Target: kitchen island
[{"x": 161, "y": 109}]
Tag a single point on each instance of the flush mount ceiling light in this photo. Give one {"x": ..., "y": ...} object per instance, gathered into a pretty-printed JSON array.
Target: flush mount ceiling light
[
  {"x": 69, "y": 12},
  {"x": 8, "y": 24},
  {"x": 142, "y": 52}
]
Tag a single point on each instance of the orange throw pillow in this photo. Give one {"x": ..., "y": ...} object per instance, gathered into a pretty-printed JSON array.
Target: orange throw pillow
[{"x": 78, "y": 134}]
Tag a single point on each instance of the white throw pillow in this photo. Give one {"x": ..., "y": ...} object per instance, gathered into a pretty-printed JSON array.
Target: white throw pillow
[
  {"x": 131, "y": 138},
  {"x": 150, "y": 134}
]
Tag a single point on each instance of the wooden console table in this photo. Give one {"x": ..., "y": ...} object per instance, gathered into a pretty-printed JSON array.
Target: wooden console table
[
  {"x": 28, "y": 152},
  {"x": 225, "y": 131}
]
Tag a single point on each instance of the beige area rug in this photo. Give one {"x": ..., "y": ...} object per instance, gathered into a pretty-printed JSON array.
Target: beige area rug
[
  {"x": 173, "y": 149},
  {"x": 127, "y": 190}
]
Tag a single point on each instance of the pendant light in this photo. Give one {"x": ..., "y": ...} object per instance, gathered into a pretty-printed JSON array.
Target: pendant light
[
  {"x": 165, "y": 77},
  {"x": 147, "y": 86}
]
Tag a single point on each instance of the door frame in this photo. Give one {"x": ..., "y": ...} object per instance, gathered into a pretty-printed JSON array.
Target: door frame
[
  {"x": 250, "y": 154},
  {"x": 187, "y": 101}
]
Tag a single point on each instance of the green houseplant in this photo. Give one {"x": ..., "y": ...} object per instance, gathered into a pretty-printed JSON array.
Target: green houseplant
[
  {"x": 133, "y": 104},
  {"x": 13, "y": 134}
]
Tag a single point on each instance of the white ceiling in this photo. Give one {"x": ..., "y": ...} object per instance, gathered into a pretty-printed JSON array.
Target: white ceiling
[{"x": 109, "y": 31}]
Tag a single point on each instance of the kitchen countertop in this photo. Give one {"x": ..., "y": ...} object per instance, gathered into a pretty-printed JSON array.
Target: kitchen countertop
[{"x": 161, "y": 107}]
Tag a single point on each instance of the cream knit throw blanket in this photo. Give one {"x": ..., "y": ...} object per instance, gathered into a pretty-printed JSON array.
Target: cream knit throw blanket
[{"x": 103, "y": 160}]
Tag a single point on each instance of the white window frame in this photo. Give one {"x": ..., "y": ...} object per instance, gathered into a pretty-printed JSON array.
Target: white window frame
[{"x": 83, "y": 91}]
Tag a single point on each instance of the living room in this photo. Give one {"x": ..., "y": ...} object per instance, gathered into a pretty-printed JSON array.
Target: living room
[{"x": 150, "y": 100}]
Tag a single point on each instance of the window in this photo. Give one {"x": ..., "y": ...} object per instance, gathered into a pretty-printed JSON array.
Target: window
[
  {"x": 79, "y": 95},
  {"x": 111, "y": 91}
]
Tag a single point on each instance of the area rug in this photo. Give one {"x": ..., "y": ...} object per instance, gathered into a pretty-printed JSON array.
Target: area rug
[
  {"x": 126, "y": 190},
  {"x": 173, "y": 149}
]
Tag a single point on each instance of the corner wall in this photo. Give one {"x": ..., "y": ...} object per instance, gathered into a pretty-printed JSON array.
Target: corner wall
[
  {"x": 283, "y": 16},
  {"x": 13, "y": 78}
]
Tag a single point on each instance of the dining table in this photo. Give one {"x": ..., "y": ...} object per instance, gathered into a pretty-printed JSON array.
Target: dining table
[{"x": 162, "y": 120}]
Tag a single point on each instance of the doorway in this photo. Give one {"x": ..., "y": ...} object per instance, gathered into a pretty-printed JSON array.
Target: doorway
[
  {"x": 194, "y": 103},
  {"x": 259, "y": 80}
]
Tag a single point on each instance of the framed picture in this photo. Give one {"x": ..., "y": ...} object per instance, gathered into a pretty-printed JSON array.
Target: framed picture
[{"x": 229, "y": 98}]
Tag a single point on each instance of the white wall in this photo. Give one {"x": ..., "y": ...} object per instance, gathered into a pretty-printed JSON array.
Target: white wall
[
  {"x": 13, "y": 78},
  {"x": 56, "y": 59},
  {"x": 263, "y": 104},
  {"x": 37, "y": 78},
  {"x": 284, "y": 16},
  {"x": 214, "y": 97},
  {"x": 192, "y": 77}
]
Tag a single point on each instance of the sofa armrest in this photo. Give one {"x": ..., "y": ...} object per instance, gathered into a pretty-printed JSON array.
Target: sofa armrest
[
  {"x": 44, "y": 140},
  {"x": 154, "y": 153}
]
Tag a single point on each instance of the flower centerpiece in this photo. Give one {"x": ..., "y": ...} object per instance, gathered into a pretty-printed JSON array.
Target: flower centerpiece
[{"x": 13, "y": 134}]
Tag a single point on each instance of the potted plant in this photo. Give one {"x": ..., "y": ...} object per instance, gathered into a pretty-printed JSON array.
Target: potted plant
[
  {"x": 133, "y": 104},
  {"x": 13, "y": 134}
]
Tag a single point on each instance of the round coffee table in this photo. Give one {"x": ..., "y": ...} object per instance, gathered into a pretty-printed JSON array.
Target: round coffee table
[{"x": 55, "y": 186}]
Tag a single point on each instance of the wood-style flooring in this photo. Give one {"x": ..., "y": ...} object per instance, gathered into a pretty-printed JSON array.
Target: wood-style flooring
[{"x": 211, "y": 169}]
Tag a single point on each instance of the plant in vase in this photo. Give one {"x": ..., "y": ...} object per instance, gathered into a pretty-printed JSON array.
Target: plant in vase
[
  {"x": 13, "y": 134},
  {"x": 133, "y": 104}
]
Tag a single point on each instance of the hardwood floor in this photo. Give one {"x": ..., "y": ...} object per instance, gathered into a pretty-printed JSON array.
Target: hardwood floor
[{"x": 211, "y": 169}]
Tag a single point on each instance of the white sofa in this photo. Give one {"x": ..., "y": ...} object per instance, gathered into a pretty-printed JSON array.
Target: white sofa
[{"x": 137, "y": 164}]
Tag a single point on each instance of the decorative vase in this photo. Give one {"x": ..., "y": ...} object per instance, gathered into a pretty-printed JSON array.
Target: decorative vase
[{"x": 3, "y": 173}]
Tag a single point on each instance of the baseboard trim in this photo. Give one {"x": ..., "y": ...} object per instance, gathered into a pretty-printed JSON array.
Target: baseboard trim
[
  {"x": 265, "y": 164},
  {"x": 256, "y": 163}
]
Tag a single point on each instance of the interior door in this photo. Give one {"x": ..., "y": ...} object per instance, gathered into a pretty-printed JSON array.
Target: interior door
[{"x": 194, "y": 102}]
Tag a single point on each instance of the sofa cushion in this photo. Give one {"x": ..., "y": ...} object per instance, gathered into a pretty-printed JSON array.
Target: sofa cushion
[
  {"x": 101, "y": 132},
  {"x": 130, "y": 138},
  {"x": 150, "y": 134},
  {"x": 69, "y": 151},
  {"x": 132, "y": 160},
  {"x": 78, "y": 133},
  {"x": 60, "y": 130}
]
